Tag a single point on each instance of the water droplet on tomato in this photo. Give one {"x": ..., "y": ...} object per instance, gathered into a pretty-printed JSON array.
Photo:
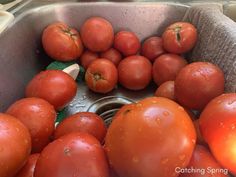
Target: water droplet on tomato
[
  {"x": 135, "y": 159},
  {"x": 165, "y": 161},
  {"x": 166, "y": 113},
  {"x": 182, "y": 157}
]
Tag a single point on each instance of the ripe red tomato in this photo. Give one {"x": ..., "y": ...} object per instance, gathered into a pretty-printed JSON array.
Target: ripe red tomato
[
  {"x": 86, "y": 122},
  {"x": 75, "y": 154},
  {"x": 203, "y": 164},
  {"x": 38, "y": 116},
  {"x": 167, "y": 90},
  {"x": 28, "y": 169},
  {"x": 179, "y": 37},
  {"x": 150, "y": 138},
  {"x": 127, "y": 43},
  {"x": 218, "y": 126},
  {"x": 88, "y": 57},
  {"x": 113, "y": 55},
  {"x": 135, "y": 72},
  {"x": 198, "y": 83},
  {"x": 97, "y": 34},
  {"x": 62, "y": 42},
  {"x": 152, "y": 48},
  {"x": 101, "y": 76},
  {"x": 166, "y": 67},
  {"x": 15, "y": 145},
  {"x": 55, "y": 86}
]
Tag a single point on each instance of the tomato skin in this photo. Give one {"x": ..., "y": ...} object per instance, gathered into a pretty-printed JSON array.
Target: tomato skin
[
  {"x": 97, "y": 34},
  {"x": 113, "y": 55},
  {"x": 198, "y": 83},
  {"x": 88, "y": 57},
  {"x": 166, "y": 67},
  {"x": 38, "y": 116},
  {"x": 55, "y": 86},
  {"x": 15, "y": 145},
  {"x": 101, "y": 76},
  {"x": 152, "y": 48},
  {"x": 28, "y": 169},
  {"x": 127, "y": 43},
  {"x": 62, "y": 42},
  {"x": 144, "y": 139},
  {"x": 167, "y": 90},
  {"x": 135, "y": 72},
  {"x": 202, "y": 159},
  {"x": 73, "y": 155},
  {"x": 179, "y": 37},
  {"x": 86, "y": 122},
  {"x": 217, "y": 124}
]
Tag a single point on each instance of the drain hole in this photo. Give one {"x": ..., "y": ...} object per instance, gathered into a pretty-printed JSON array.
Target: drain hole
[{"x": 108, "y": 107}]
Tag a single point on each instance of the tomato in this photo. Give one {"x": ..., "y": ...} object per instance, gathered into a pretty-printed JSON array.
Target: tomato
[
  {"x": 75, "y": 154},
  {"x": 62, "y": 42},
  {"x": 218, "y": 126},
  {"x": 38, "y": 116},
  {"x": 113, "y": 55},
  {"x": 55, "y": 86},
  {"x": 135, "y": 72},
  {"x": 200, "y": 139},
  {"x": 150, "y": 138},
  {"x": 179, "y": 37},
  {"x": 127, "y": 43},
  {"x": 88, "y": 57},
  {"x": 167, "y": 90},
  {"x": 15, "y": 145},
  {"x": 97, "y": 34},
  {"x": 198, "y": 83},
  {"x": 152, "y": 48},
  {"x": 28, "y": 169},
  {"x": 203, "y": 164},
  {"x": 101, "y": 76},
  {"x": 87, "y": 122},
  {"x": 166, "y": 67}
]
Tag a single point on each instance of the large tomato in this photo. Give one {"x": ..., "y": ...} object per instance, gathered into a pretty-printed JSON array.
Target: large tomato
[
  {"x": 87, "y": 122},
  {"x": 97, "y": 34},
  {"x": 88, "y": 57},
  {"x": 28, "y": 169},
  {"x": 101, "y": 76},
  {"x": 55, "y": 86},
  {"x": 38, "y": 116},
  {"x": 150, "y": 139},
  {"x": 198, "y": 83},
  {"x": 62, "y": 42},
  {"x": 113, "y": 55},
  {"x": 73, "y": 155},
  {"x": 179, "y": 37},
  {"x": 203, "y": 164},
  {"x": 135, "y": 72},
  {"x": 15, "y": 145},
  {"x": 218, "y": 126}
]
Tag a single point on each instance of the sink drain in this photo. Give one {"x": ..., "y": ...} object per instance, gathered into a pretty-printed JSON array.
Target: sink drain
[{"x": 107, "y": 107}]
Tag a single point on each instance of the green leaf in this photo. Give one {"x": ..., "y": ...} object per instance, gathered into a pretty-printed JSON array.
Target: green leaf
[
  {"x": 57, "y": 65},
  {"x": 61, "y": 115}
]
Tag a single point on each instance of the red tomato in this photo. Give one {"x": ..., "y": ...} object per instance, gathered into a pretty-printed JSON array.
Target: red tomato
[
  {"x": 113, "y": 55},
  {"x": 62, "y": 42},
  {"x": 150, "y": 139},
  {"x": 152, "y": 48},
  {"x": 200, "y": 139},
  {"x": 15, "y": 145},
  {"x": 97, "y": 34},
  {"x": 28, "y": 169},
  {"x": 75, "y": 154},
  {"x": 179, "y": 37},
  {"x": 127, "y": 43},
  {"x": 198, "y": 83},
  {"x": 86, "y": 122},
  {"x": 55, "y": 86},
  {"x": 167, "y": 90},
  {"x": 135, "y": 72},
  {"x": 88, "y": 57},
  {"x": 166, "y": 67},
  {"x": 203, "y": 164},
  {"x": 38, "y": 116},
  {"x": 101, "y": 76},
  {"x": 218, "y": 126}
]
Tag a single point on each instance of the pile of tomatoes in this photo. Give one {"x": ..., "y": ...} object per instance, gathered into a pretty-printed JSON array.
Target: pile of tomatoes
[{"x": 156, "y": 137}]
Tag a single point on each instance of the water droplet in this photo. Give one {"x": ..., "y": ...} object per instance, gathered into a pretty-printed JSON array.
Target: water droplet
[
  {"x": 194, "y": 141},
  {"x": 135, "y": 159},
  {"x": 180, "y": 108},
  {"x": 182, "y": 157},
  {"x": 71, "y": 104},
  {"x": 232, "y": 126},
  {"x": 158, "y": 120},
  {"x": 165, "y": 161},
  {"x": 166, "y": 113}
]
